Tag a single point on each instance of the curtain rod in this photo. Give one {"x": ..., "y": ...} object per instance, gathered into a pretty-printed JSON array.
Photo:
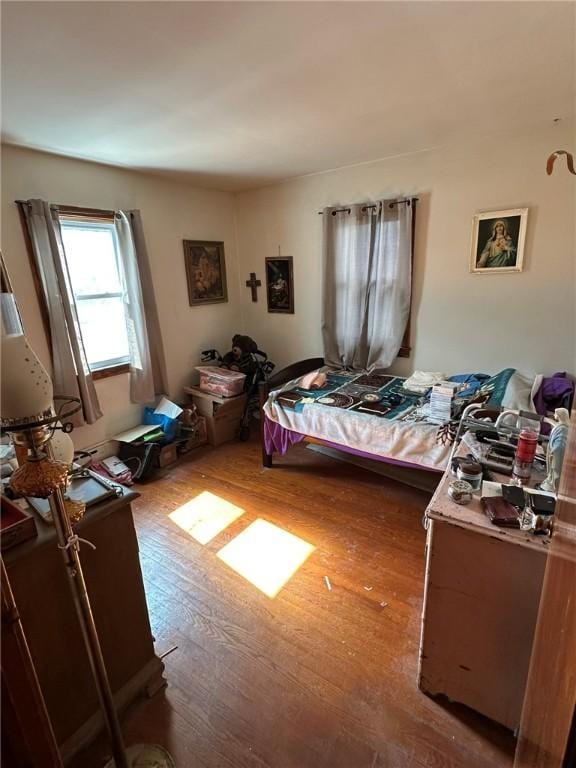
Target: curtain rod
[
  {"x": 75, "y": 210},
  {"x": 366, "y": 207}
]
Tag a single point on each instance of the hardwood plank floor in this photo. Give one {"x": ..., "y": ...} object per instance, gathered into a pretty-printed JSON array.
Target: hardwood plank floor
[{"x": 313, "y": 678}]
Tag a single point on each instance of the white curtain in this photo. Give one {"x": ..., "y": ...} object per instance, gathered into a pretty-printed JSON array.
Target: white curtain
[
  {"x": 155, "y": 343},
  {"x": 142, "y": 388},
  {"x": 70, "y": 371},
  {"x": 367, "y": 263}
]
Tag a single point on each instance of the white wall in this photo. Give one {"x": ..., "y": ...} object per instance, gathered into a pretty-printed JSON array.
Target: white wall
[
  {"x": 460, "y": 321},
  {"x": 171, "y": 212}
]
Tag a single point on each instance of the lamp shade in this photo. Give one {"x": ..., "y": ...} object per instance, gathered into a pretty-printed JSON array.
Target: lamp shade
[
  {"x": 62, "y": 447},
  {"x": 27, "y": 392}
]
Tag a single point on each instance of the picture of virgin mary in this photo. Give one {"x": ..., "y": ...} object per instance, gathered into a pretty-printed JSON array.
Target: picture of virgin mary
[
  {"x": 499, "y": 250},
  {"x": 499, "y": 241}
]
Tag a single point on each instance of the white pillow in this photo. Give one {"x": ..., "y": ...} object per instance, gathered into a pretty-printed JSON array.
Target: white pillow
[{"x": 518, "y": 394}]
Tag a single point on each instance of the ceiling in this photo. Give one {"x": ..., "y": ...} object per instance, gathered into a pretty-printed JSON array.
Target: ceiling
[{"x": 236, "y": 95}]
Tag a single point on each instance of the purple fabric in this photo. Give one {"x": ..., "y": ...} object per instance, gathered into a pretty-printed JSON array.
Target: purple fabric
[
  {"x": 278, "y": 439},
  {"x": 556, "y": 391}
]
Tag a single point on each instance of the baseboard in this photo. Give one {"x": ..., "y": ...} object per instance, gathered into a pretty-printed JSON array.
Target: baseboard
[{"x": 102, "y": 450}]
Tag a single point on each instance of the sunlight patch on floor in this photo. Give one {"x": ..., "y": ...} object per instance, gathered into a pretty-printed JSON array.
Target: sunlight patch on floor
[
  {"x": 266, "y": 555},
  {"x": 205, "y": 516}
]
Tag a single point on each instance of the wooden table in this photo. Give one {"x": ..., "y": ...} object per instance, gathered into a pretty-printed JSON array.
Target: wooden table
[
  {"x": 39, "y": 581},
  {"x": 482, "y": 593}
]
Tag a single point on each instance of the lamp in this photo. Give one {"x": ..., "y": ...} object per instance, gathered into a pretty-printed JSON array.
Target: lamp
[{"x": 27, "y": 412}]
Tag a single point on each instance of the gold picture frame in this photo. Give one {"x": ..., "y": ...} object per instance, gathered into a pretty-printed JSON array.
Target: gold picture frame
[{"x": 205, "y": 272}]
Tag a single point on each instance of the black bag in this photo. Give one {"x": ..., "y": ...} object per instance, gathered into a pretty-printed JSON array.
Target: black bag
[{"x": 141, "y": 458}]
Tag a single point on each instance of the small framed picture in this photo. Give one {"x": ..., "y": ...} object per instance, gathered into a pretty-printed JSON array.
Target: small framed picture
[
  {"x": 280, "y": 284},
  {"x": 498, "y": 241},
  {"x": 205, "y": 271}
]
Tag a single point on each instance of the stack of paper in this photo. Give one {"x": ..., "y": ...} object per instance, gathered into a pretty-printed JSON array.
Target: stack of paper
[{"x": 441, "y": 401}]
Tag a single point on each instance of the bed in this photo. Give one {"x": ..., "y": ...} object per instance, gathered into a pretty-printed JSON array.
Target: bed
[{"x": 371, "y": 414}]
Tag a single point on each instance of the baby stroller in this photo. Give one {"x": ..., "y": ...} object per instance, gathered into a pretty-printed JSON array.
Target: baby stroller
[{"x": 246, "y": 358}]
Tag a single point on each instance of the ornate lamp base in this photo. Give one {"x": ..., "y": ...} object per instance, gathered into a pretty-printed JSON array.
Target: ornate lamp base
[{"x": 146, "y": 756}]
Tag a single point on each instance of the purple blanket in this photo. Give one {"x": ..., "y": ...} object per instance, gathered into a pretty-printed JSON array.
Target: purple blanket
[{"x": 277, "y": 439}]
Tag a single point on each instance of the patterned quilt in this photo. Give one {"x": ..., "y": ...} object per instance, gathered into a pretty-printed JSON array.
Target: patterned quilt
[{"x": 373, "y": 412}]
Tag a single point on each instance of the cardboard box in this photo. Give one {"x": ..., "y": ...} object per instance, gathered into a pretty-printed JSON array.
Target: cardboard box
[
  {"x": 223, "y": 414},
  {"x": 167, "y": 455}
]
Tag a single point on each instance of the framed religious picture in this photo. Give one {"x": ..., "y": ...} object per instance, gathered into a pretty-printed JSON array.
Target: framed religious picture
[
  {"x": 280, "y": 284},
  {"x": 498, "y": 241},
  {"x": 205, "y": 272}
]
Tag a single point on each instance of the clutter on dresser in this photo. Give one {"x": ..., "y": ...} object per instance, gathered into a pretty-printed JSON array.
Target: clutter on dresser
[
  {"x": 506, "y": 502},
  {"x": 538, "y": 513},
  {"x": 460, "y": 491},
  {"x": 493, "y": 436},
  {"x": 524, "y": 455},
  {"x": 84, "y": 489},
  {"x": 470, "y": 472},
  {"x": 500, "y": 512}
]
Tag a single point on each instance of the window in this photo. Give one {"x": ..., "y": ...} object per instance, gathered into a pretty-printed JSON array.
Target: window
[
  {"x": 97, "y": 282},
  {"x": 367, "y": 282}
]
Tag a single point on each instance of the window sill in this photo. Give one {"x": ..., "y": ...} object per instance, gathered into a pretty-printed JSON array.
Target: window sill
[{"x": 114, "y": 370}]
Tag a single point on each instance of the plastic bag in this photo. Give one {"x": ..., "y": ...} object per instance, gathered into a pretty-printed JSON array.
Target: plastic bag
[{"x": 168, "y": 425}]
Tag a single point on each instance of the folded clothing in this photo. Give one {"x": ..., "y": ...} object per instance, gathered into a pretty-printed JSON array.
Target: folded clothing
[
  {"x": 471, "y": 381},
  {"x": 555, "y": 391},
  {"x": 422, "y": 381}
]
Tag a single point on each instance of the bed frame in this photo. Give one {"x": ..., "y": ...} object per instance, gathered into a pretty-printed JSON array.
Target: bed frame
[
  {"x": 280, "y": 378},
  {"x": 300, "y": 369}
]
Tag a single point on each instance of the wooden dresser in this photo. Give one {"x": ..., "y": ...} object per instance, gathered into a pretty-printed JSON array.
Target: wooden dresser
[
  {"x": 39, "y": 581},
  {"x": 482, "y": 593}
]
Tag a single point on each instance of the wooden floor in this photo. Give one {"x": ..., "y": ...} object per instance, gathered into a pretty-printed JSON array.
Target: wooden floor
[{"x": 312, "y": 678}]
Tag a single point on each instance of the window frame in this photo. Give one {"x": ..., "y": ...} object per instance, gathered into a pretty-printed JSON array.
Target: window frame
[{"x": 72, "y": 213}]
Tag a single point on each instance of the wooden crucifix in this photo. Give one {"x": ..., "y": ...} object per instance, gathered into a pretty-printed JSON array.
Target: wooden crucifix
[{"x": 253, "y": 284}]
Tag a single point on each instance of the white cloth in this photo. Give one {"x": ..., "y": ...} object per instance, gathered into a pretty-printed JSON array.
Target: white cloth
[
  {"x": 421, "y": 381},
  {"x": 141, "y": 379},
  {"x": 397, "y": 440},
  {"x": 70, "y": 370},
  {"x": 367, "y": 276}
]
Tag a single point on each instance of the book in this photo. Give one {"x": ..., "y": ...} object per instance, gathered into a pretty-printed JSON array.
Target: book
[{"x": 441, "y": 399}]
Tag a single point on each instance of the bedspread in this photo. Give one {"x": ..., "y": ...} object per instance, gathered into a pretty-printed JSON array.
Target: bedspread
[{"x": 374, "y": 414}]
